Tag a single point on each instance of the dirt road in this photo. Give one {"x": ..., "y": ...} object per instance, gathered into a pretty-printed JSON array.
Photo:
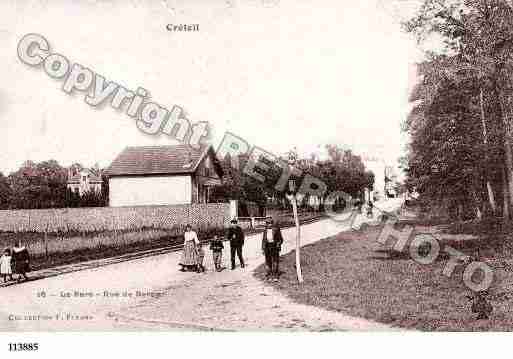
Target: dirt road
[{"x": 151, "y": 294}]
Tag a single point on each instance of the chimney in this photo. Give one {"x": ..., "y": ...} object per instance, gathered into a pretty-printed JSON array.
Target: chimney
[{"x": 188, "y": 160}]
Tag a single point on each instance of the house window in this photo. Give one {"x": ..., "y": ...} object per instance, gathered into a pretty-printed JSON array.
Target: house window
[{"x": 84, "y": 178}]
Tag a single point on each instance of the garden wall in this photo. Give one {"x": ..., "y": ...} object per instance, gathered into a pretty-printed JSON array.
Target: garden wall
[{"x": 210, "y": 215}]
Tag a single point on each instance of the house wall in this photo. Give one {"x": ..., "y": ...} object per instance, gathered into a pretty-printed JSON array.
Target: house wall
[
  {"x": 149, "y": 190},
  {"x": 83, "y": 188},
  {"x": 195, "y": 198},
  {"x": 204, "y": 172}
]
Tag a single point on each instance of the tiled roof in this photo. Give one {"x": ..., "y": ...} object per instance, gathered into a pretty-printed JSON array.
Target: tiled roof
[
  {"x": 77, "y": 178},
  {"x": 156, "y": 160}
]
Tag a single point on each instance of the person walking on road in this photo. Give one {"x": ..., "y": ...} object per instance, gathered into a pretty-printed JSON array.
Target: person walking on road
[
  {"x": 216, "y": 246},
  {"x": 271, "y": 247},
  {"x": 20, "y": 260},
  {"x": 359, "y": 205},
  {"x": 236, "y": 238},
  {"x": 189, "y": 258},
  {"x": 370, "y": 207}
]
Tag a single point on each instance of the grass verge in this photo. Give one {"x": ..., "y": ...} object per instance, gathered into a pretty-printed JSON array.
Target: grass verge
[{"x": 354, "y": 274}]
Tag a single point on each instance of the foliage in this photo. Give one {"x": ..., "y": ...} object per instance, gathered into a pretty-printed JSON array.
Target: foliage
[
  {"x": 44, "y": 185},
  {"x": 460, "y": 150},
  {"x": 341, "y": 171}
]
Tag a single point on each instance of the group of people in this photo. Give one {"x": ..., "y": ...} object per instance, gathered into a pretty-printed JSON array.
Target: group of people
[
  {"x": 15, "y": 260},
  {"x": 193, "y": 253}
]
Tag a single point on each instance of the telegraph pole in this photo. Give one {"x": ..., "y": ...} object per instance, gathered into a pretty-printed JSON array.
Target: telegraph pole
[{"x": 293, "y": 198}]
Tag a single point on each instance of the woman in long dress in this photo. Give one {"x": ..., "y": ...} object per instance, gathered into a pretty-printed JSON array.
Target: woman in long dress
[
  {"x": 20, "y": 260},
  {"x": 191, "y": 242}
]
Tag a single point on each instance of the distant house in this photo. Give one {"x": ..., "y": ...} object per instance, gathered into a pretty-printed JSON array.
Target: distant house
[
  {"x": 82, "y": 180},
  {"x": 163, "y": 175}
]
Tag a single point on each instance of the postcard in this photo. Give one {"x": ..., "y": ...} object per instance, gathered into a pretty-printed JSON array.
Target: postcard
[{"x": 255, "y": 166}]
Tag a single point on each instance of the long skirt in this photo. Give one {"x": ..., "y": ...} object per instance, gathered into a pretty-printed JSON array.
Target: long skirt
[
  {"x": 189, "y": 254},
  {"x": 21, "y": 266}
]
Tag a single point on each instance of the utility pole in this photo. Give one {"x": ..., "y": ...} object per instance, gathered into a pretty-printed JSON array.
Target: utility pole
[{"x": 293, "y": 197}]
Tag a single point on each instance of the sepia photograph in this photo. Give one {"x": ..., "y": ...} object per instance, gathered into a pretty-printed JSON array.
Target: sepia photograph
[{"x": 255, "y": 166}]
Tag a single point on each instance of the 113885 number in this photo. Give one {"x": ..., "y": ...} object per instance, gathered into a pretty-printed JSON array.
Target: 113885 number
[{"x": 23, "y": 347}]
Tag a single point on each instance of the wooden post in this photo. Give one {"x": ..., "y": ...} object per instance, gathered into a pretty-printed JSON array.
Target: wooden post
[
  {"x": 293, "y": 200},
  {"x": 298, "y": 240},
  {"x": 46, "y": 244}
]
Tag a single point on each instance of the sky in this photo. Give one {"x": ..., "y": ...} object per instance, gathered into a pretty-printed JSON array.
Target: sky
[{"x": 280, "y": 74}]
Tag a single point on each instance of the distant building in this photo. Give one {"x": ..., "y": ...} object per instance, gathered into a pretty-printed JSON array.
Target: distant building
[
  {"x": 390, "y": 182},
  {"x": 377, "y": 167},
  {"x": 82, "y": 180},
  {"x": 385, "y": 178},
  {"x": 163, "y": 175}
]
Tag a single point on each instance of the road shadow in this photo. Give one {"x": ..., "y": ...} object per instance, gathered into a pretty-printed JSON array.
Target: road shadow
[{"x": 390, "y": 254}]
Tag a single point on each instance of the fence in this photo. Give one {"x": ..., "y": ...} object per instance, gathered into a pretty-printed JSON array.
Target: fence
[{"x": 210, "y": 215}]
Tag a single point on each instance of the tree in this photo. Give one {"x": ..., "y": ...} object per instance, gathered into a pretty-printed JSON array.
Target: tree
[
  {"x": 38, "y": 185},
  {"x": 5, "y": 192},
  {"x": 342, "y": 171},
  {"x": 478, "y": 35}
]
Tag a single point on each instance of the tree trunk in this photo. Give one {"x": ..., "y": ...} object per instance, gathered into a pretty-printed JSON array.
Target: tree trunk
[
  {"x": 479, "y": 214},
  {"x": 507, "y": 147},
  {"x": 505, "y": 211},
  {"x": 491, "y": 197}
]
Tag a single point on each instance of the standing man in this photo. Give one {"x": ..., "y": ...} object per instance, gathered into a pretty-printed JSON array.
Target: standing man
[
  {"x": 236, "y": 238},
  {"x": 271, "y": 247}
]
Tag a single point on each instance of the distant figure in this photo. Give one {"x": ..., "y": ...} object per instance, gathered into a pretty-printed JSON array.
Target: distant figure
[
  {"x": 20, "y": 260},
  {"x": 189, "y": 258},
  {"x": 6, "y": 265},
  {"x": 201, "y": 256},
  {"x": 236, "y": 237},
  {"x": 271, "y": 247},
  {"x": 370, "y": 207},
  {"x": 217, "y": 246},
  {"x": 359, "y": 205}
]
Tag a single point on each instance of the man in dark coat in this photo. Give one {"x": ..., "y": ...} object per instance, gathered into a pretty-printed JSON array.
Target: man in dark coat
[
  {"x": 271, "y": 247},
  {"x": 236, "y": 237}
]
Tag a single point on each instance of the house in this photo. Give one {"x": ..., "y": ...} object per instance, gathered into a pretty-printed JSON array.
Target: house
[
  {"x": 378, "y": 167},
  {"x": 82, "y": 180},
  {"x": 163, "y": 175}
]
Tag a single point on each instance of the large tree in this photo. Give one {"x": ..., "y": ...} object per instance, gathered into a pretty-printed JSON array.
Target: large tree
[{"x": 474, "y": 71}]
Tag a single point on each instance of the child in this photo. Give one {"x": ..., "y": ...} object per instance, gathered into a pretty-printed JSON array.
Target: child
[
  {"x": 201, "y": 255},
  {"x": 5, "y": 265},
  {"x": 216, "y": 246}
]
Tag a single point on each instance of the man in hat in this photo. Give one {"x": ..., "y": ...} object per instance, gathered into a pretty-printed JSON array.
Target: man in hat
[
  {"x": 236, "y": 237},
  {"x": 271, "y": 247}
]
